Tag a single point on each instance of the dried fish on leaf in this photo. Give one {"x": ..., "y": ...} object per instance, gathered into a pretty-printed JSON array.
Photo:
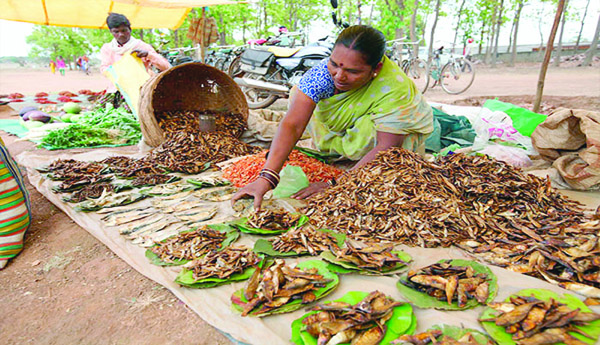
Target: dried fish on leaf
[
  {"x": 167, "y": 189},
  {"x": 216, "y": 194},
  {"x": 191, "y": 245},
  {"x": 80, "y": 182},
  {"x": 270, "y": 221},
  {"x": 127, "y": 216},
  {"x": 199, "y": 214},
  {"x": 280, "y": 288},
  {"x": 304, "y": 240},
  {"x": 358, "y": 318},
  {"x": 449, "y": 285},
  {"x": 153, "y": 180},
  {"x": 66, "y": 169},
  {"x": 193, "y": 153},
  {"x": 109, "y": 199},
  {"x": 207, "y": 182},
  {"x": 445, "y": 335},
  {"x": 367, "y": 258},
  {"x": 538, "y": 316},
  {"x": 118, "y": 163},
  {"x": 231, "y": 264},
  {"x": 487, "y": 207},
  {"x": 189, "y": 121},
  {"x": 91, "y": 191}
]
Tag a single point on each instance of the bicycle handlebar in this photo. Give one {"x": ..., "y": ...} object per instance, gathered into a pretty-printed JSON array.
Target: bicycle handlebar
[{"x": 404, "y": 42}]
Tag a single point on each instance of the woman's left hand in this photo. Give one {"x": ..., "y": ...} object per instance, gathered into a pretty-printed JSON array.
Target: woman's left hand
[{"x": 313, "y": 188}]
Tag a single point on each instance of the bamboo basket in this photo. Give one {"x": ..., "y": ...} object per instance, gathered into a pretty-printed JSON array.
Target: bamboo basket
[{"x": 190, "y": 86}]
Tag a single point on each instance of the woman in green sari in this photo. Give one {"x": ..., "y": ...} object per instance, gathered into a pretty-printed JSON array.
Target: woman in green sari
[{"x": 355, "y": 104}]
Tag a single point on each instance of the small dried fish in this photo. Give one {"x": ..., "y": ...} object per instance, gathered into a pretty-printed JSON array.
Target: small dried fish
[
  {"x": 272, "y": 219},
  {"x": 222, "y": 264},
  {"x": 189, "y": 245},
  {"x": 207, "y": 214}
]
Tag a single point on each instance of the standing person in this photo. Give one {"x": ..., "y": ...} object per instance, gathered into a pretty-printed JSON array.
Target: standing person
[
  {"x": 122, "y": 43},
  {"x": 52, "y": 66},
  {"x": 85, "y": 64},
  {"x": 60, "y": 64},
  {"x": 355, "y": 103}
]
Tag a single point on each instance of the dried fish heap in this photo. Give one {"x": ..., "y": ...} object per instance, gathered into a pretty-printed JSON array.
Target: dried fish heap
[
  {"x": 275, "y": 286},
  {"x": 369, "y": 256},
  {"x": 304, "y": 240},
  {"x": 272, "y": 219},
  {"x": 362, "y": 323},
  {"x": 93, "y": 191},
  {"x": 450, "y": 283},
  {"x": 70, "y": 169},
  {"x": 222, "y": 264},
  {"x": 485, "y": 206},
  {"x": 531, "y": 321},
  {"x": 153, "y": 180},
  {"x": 189, "y": 245},
  {"x": 436, "y": 337},
  {"x": 172, "y": 122}
]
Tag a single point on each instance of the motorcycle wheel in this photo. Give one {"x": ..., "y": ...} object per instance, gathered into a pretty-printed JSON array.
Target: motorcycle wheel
[
  {"x": 234, "y": 69},
  {"x": 257, "y": 99}
]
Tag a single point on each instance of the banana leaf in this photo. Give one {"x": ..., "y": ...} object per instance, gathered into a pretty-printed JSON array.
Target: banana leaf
[
  {"x": 238, "y": 299},
  {"x": 424, "y": 301},
  {"x": 403, "y": 321},
  {"x": 265, "y": 247},
  {"x": 343, "y": 267},
  {"x": 232, "y": 236},
  {"x": 241, "y": 224},
  {"x": 207, "y": 184},
  {"x": 91, "y": 205},
  {"x": 186, "y": 278},
  {"x": 499, "y": 334}
]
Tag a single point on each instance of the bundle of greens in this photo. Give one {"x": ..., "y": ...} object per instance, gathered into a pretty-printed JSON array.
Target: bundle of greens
[{"x": 103, "y": 127}]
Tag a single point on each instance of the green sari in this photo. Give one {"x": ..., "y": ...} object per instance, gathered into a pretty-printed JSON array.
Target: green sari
[{"x": 347, "y": 123}]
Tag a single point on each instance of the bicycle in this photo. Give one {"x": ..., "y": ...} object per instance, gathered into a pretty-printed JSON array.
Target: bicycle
[
  {"x": 414, "y": 68},
  {"x": 457, "y": 74}
]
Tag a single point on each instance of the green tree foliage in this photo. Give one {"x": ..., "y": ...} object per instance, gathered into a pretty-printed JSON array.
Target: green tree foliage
[{"x": 51, "y": 42}]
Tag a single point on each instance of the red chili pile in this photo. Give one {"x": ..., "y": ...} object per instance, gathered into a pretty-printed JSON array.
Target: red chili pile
[{"x": 246, "y": 169}]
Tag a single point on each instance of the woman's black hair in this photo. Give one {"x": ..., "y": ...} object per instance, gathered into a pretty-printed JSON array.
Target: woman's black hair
[
  {"x": 365, "y": 39},
  {"x": 114, "y": 20}
]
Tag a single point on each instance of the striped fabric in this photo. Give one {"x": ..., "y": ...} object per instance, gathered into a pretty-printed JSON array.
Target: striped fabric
[{"x": 14, "y": 208}]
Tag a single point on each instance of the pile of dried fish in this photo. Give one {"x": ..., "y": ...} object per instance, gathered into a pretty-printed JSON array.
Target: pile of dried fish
[
  {"x": 153, "y": 180},
  {"x": 192, "y": 152},
  {"x": 305, "y": 240},
  {"x": 436, "y": 336},
  {"x": 68, "y": 169},
  {"x": 189, "y": 121},
  {"x": 375, "y": 258},
  {"x": 93, "y": 191},
  {"x": 473, "y": 201},
  {"x": 189, "y": 245},
  {"x": 281, "y": 288},
  {"x": 272, "y": 219},
  {"x": 456, "y": 285},
  {"x": 532, "y": 321},
  {"x": 223, "y": 264},
  {"x": 108, "y": 200},
  {"x": 79, "y": 182},
  {"x": 362, "y": 323}
]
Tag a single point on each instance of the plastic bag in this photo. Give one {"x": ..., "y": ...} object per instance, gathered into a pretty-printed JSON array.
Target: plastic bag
[
  {"x": 495, "y": 127},
  {"x": 128, "y": 74},
  {"x": 523, "y": 120},
  {"x": 292, "y": 180},
  {"x": 512, "y": 155}
]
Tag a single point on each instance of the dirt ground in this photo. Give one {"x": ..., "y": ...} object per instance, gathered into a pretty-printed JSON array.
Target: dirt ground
[{"x": 68, "y": 288}]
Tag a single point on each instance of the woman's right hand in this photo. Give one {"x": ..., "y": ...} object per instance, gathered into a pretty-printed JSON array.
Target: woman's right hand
[{"x": 256, "y": 189}]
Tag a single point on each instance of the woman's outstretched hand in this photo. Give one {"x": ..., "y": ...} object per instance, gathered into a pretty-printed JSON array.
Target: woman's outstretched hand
[
  {"x": 256, "y": 189},
  {"x": 313, "y": 188}
]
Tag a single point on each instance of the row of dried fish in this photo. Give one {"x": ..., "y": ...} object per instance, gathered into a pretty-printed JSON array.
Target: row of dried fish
[
  {"x": 474, "y": 201},
  {"x": 189, "y": 121},
  {"x": 370, "y": 256},
  {"x": 359, "y": 324},
  {"x": 304, "y": 239},
  {"x": 437, "y": 337},
  {"x": 272, "y": 219},
  {"x": 532, "y": 321},
  {"x": 223, "y": 264},
  {"x": 189, "y": 245},
  {"x": 450, "y": 283}
]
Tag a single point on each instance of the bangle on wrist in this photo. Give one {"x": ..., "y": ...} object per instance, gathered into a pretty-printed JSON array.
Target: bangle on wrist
[
  {"x": 271, "y": 176},
  {"x": 271, "y": 183}
]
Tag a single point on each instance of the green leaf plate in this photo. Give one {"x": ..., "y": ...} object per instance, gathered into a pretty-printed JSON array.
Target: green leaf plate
[
  {"x": 343, "y": 267},
  {"x": 424, "y": 301},
  {"x": 232, "y": 236},
  {"x": 238, "y": 298},
  {"x": 241, "y": 225},
  {"x": 186, "y": 278},
  {"x": 265, "y": 247},
  {"x": 403, "y": 321},
  {"x": 499, "y": 334}
]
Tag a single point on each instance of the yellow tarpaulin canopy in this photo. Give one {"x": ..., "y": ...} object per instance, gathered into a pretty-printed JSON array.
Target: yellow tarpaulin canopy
[{"x": 143, "y": 14}]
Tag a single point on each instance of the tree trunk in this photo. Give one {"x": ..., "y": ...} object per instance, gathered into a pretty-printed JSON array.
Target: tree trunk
[
  {"x": 592, "y": 51},
  {"x": 560, "y": 36},
  {"x": 490, "y": 38},
  {"x": 413, "y": 26},
  {"x": 222, "y": 32},
  {"x": 510, "y": 35},
  {"x": 513, "y": 58},
  {"x": 437, "y": 13},
  {"x": 481, "y": 38},
  {"x": 176, "y": 38},
  {"x": 581, "y": 28},
  {"x": 542, "y": 77},
  {"x": 462, "y": 5},
  {"x": 358, "y": 6},
  {"x": 497, "y": 32}
]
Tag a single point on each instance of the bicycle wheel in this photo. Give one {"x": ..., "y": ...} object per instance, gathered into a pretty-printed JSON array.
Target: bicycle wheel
[
  {"x": 418, "y": 72},
  {"x": 220, "y": 64},
  {"x": 457, "y": 76},
  {"x": 235, "y": 69}
]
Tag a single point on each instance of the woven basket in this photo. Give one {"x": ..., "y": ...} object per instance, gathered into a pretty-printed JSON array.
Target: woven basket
[{"x": 191, "y": 86}]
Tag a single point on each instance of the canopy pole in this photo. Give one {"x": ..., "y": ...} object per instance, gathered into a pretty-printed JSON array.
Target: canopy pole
[
  {"x": 202, "y": 43},
  {"x": 45, "y": 12}
]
